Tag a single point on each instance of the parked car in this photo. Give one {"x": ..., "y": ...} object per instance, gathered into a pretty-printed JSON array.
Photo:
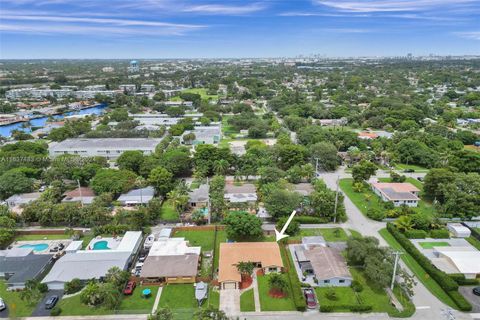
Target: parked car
[
  {"x": 409, "y": 170},
  {"x": 137, "y": 273},
  {"x": 476, "y": 291},
  {"x": 42, "y": 188},
  {"x": 310, "y": 298},
  {"x": 51, "y": 302},
  {"x": 420, "y": 178},
  {"x": 3, "y": 306},
  {"x": 128, "y": 290}
]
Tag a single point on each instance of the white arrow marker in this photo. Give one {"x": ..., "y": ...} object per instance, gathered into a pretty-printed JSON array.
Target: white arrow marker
[{"x": 280, "y": 235}]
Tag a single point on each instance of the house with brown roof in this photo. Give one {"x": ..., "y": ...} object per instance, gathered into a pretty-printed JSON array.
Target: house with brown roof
[
  {"x": 84, "y": 195},
  {"x": 398, "y": 193},
  {"x": 265, "y": 255}
]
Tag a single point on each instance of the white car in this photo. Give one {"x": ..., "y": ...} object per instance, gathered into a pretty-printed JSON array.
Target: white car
[{"x": 3, "y": 306}]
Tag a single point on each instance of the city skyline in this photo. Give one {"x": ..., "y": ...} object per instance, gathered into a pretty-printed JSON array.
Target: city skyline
[{"x": 149, "y": 29}]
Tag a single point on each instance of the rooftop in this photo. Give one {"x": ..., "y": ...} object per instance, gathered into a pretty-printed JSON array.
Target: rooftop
[
  {"x": 397, "y": 191},
  {"x": 143, "y": 195},
  {"x": 172, "y": 247},
  {"x": 200, "y": 194},
  {"x": 22, "y": 263},
  {"x": 327, "y": 263},
  {"x": 170, "y": 266},
  {"x": 107, "y": 143}
]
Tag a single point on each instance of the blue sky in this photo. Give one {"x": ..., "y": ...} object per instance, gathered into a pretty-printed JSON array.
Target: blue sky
[{"x": 236, "y": 28}]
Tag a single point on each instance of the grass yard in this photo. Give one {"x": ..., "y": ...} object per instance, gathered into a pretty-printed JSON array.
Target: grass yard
[
  {"x": 268, "y": 303},
  {"x": 16, "y": 306},
  {"x": 431, "y": 245},
  {"x": 221, "y": 237},
  {"x": 130, "y": 304},
  {"x": 168, "y": 212},
  {"x": 247, "y": 301},
  {"x": 355, "y": 233},
  {"x": 330, "y": 234},
  {"x": 213, "y": 299},
  {"x": 345, "y": 296},
  {"x": 417, "y": 269},
  {"x": 178, "y": 296},
  {"x": 32, "y": 237},
  {"x": 203, "y": 93},
  {"x": 202, "y": 238}
]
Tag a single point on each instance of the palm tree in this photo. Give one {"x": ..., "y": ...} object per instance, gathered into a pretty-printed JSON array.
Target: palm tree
[
  {"x": 404, "y": 223},
  {"x": 245, "y": 268},
  {"x": 178, "y": 199},
  {"x": 221, "y": 166},
  {"x": 277, "y": 282}
]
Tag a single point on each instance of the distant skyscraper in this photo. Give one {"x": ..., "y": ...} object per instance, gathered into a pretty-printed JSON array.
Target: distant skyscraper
[{"x": 134, "y": 66}]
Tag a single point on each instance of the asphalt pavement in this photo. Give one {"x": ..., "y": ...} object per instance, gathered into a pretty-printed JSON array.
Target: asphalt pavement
[{"x": 40, "y": 310}]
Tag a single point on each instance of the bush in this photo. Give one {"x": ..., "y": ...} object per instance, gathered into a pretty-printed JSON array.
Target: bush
[
  {"x": 375, "y": 214},
  {"x": 462, "y": 281},
  {"x": 356, "y": 286},
  {"x": 73, "y": 286},
  {"x": 440, "y": 234},
  {"x": 361, "y": 308},
  {"x": 415, "y": 234},
  {"x": 56, "y": 311},
  {"x": 296, "y": 285},
  {"x": 342, "y": 307},
  {"x": 42, "y": 287},
  {"x": 460, "y": 300},
  {"x": 331, "y": 295},
  {"x": 326, "y": 308}
]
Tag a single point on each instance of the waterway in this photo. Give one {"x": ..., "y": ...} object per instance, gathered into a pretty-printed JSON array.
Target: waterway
[{"x": 6, "y": 130}]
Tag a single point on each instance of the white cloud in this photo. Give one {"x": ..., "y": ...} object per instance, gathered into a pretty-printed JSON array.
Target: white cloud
[
  {"x": 390, "y": 5},
  {"x": 475, "y": 35},
  {"x": 221, "y": 9}
]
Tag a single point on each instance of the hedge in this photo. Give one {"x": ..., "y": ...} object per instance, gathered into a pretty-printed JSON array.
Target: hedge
[
  {"x": 444, "y": 281},
  {"x": 295, "y": 284},
  {"x": 351, "y": 307},
  {"x": 416, "y": 234},
  {"x": 440, "y": 234},
  {"x": 311, "y": 220},
  {"x": 447, "y": 283},
  {"x": 460, "y": 300},
  {"x": 462, "y": 281}
]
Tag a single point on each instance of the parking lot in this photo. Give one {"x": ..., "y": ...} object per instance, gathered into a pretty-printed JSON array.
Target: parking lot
[{"x": 473, "y": 299}]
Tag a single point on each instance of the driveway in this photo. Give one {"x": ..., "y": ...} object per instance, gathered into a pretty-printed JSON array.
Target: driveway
[
  {"x": 473, "y": 299},
  {"x": 40, "y": 310},
  {"x": 230, "y": 301}
]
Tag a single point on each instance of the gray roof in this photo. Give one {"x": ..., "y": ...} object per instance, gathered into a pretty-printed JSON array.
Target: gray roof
[
  {"x": 394, "y": 195},
  {"x": 86, "y": 265},
  {"x": 314, "y": 240},
  {"x": 200, "y": 194},
  {"x": 23, "y": 266},
  {"x": 143, "y": 195},
  {"x": 170, "y": 266},
  {"x": 305, "y": 189},
  {"x": 23, "y": 198},
  {"x": 107, "y": 143},
  {"x": 327, "y": 263}
]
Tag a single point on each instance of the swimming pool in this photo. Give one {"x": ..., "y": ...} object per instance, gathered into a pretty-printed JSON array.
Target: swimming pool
[
  {"x": 36, "y": 247},
  {"x": 100, "y": 245}
]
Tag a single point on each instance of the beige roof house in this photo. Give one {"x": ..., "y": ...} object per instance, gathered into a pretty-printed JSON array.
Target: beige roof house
[{"x": 327, "y": 263}]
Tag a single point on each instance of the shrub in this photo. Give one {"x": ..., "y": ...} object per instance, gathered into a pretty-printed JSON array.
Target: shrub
[
  {"x": 440, "y": 234},
  {"x": 375, "y": 214},
  {"x": 342, "y": 307},
  {"x": 361, "y": 308},
  {"x": 326, "y": 308},
  {"x": 56, "y": 311},
  {"x": 415, "y": 234},
  {"x": 42, "y": 287},
  {"x": 331, "y": 295},
  {"x": 356, "y": 286},
  {"x": 73, "y": 286},
  {"x": 460, "y": 300},
  {"x": 311, "y": 220},
  {"x": 297, "y": 292}
]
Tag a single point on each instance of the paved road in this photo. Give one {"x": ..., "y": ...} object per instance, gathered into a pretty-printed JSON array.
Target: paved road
[
  {"x": 4, "y": 313},
  {"x": 428, "y": 306},
  {"x": 40, "y": 310}
]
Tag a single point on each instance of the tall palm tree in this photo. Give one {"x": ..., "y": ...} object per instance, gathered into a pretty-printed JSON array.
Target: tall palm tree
[{"x": 221, "y": 166}]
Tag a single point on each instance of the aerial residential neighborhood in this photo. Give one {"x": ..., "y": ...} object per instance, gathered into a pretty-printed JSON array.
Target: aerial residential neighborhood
[{"x": 250, "y": 160}]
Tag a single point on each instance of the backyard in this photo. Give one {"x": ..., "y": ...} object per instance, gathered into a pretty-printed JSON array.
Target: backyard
[
  {"x": 330, "y": 234},
  {"x": 168, "y": 212}
]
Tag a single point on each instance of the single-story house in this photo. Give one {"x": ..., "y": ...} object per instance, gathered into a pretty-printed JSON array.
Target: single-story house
[
  {"x": 93, "y": 264},
  {"x": 326, "y": 264},
  {"x": 19, "y": 265},
  {"x": 465, "y": 259},
  {"x": 171, "y": 260},
  {"x": 265, "y": 255},
  {"x": 84, "y": 195},
  {"x": 137, "y": 196},
  {"x": 23, "y": 198},
  {"x": 305, "y": 189},
  {"x": 458, "y": 230},
  {"x": 237, "y": 195},
  {"x": 399, "y": 193},
  {"x": 204, "y": 135},
  {"x": 198, "y": 198}
]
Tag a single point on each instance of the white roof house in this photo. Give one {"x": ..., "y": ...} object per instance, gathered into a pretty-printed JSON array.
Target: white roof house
[
  {"x": 137, "y": 196},
  {"x": 465, "y": 259},
  {"x": 92, "y": 264},
  {"x": 458, "y": 230},
  {"x": 172, "y": 247}
]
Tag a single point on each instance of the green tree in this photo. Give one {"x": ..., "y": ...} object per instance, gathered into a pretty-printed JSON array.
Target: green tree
[
  {"x": 113, "y": 181},
  {"x": 327, "y": 156},
  {"x": 363, "y": 171},
  {"x": 131, "y": 160},
  {"x": 162, "y": 180},
  {"x": 280, "y": 202},
  {"x": 13, "y": 182},
  {"x": 242, "y": 225},
  {"x": 293, "y": 228},
  {"x": 277, "y": 282}
]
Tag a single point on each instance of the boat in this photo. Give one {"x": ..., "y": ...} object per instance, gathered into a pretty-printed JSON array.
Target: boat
[
  {"x": 201, "y": 290},
  {"x": 149, "y": 241}
]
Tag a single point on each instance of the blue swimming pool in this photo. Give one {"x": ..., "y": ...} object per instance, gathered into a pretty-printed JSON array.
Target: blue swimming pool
[
  {"x": 36, "y": 247},
  {"x": 100, "y": 245}
]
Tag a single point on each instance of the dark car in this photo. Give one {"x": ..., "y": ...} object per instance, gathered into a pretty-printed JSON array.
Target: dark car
[
  {"x": 476, "y": 291},
  {"x": 129, "y": 288},
  {"x": 409, "y": 170},
  {"x": 51, "y": 302},
  {"x": 420, "y": 178},
  {"x": 310, "y": 297}
]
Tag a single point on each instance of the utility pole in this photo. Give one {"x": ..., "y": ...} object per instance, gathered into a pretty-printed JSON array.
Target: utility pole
[
  {"x": 80, "y": 190},
  {"x": 397, "y": 257},
  {"x": 336, "y": 202}
]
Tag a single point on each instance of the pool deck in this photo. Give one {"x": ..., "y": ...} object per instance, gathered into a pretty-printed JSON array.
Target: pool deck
[{"x": 51, "y": 244}]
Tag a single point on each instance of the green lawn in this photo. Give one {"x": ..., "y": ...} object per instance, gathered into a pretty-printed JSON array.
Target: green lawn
[
  {"x": 268, "y": 303},
  {"x": 130, "y": 304},
  {"x": 419, "y": 272},
  {"x": 213, "y": 299},
  {"x": 203, "y": 93},
  {"x": 345, "y": 296},
  {"x": 247, "y": 301},
  {"x": 330, "y": 234},
  {"x": 355, "y": 233},
  {"x": 16, "y": 306},
  {"x": 32, "y": 237},
  {"x": 178, "y": 296},
  {"x": 431, "y": 245},
  {"x": 168, "y": 212}
]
